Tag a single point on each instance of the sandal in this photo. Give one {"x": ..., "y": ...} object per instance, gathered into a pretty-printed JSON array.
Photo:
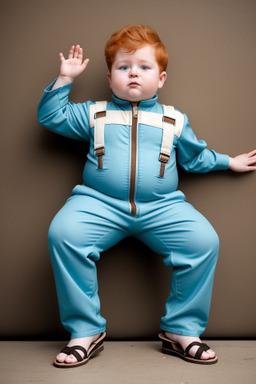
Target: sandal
[
  {"x": 95, "y": 347},
  {"x": 173, "y": 348}
]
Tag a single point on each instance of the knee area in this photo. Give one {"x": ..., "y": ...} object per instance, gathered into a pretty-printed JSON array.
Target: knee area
[
  {"x": 54, "y": 233},
  {"x": 210, "y": 242},
  {"x": 61, "y": 231},
  {"x": 65, "y": 238},
  {"x": 207, "y": 241}
]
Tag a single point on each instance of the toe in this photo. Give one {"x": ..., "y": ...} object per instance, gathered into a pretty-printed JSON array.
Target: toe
[
  {"x": 208, "y": 355},
  {"x": 211, "y": 353},
  {"x": 70, "y": 359},
  {"x": 61, "y": 357}
]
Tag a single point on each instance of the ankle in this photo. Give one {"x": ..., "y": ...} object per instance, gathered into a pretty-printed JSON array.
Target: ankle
[{"x": 83, "y": 341}]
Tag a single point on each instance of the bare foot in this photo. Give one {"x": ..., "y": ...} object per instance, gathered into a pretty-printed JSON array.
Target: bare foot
[
  {"x": 184, "y": 341},
  {"x": 84, "y": 342}
]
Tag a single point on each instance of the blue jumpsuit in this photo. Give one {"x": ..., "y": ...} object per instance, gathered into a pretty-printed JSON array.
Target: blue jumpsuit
[{"x": 128, "y": 198}]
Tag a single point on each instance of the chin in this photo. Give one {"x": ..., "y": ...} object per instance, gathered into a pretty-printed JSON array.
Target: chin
[
  {"x": 134, "y": 100},
  {"x": 137, "y": 98}
]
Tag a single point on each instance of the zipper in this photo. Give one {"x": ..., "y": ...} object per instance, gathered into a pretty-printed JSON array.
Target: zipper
[{"x": 133, "y": 157}]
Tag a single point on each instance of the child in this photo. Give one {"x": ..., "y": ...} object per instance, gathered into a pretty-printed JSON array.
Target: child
[{"x": 130, "y": 189}]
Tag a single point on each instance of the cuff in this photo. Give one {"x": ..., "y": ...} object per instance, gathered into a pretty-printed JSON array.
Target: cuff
[{"x": 223, "y": 162}]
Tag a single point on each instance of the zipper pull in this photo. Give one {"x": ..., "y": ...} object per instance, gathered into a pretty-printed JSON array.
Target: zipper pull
[{"x": 135, "y": 110}]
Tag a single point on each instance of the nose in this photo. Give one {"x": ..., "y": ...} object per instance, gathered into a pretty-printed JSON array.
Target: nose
[{"x": 133, "y": 72}]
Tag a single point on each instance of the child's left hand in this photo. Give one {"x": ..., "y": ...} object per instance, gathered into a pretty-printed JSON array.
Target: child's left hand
[{"x": 243, "y": 163}]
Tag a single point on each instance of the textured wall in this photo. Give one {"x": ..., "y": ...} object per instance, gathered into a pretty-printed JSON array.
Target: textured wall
[{"x": 211, "y": 77}]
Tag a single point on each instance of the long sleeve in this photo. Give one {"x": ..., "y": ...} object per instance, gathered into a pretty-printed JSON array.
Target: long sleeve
[
  {"x": 65, "y": 118},
  {"x": 193, "y": 156}
]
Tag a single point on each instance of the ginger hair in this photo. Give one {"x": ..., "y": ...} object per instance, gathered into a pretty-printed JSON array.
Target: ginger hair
[{"x": 133, "y": 37}]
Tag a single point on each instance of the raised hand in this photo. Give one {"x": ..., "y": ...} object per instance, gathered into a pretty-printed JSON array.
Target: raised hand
[
  {"x": 71, "y": 67},
  {"x": 243, "y": 163},
  {"x": 74, "y": 65}
]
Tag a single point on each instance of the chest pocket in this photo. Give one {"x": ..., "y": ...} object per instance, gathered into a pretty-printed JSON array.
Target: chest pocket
[{"x": 171, "y": 122}]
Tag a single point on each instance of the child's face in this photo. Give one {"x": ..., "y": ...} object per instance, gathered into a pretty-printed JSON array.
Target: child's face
[{"x": 135, "y": 76}]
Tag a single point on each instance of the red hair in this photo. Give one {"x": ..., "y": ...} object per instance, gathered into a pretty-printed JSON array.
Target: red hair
[{"x": 133, "y": 37}]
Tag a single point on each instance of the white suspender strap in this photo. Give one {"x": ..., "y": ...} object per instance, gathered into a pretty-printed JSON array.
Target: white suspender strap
[
  {"x": 97, "y": 119},
  {"x": 172, "y": 125},
  {"x": 168, "y": 131}
]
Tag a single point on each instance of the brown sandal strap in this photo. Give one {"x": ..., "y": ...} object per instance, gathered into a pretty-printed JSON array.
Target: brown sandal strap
[
  {"x": 202, "y": 348},
  {"x": 73, "y": 351}
]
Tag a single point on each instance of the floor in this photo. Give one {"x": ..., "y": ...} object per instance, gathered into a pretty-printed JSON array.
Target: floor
[{"x": 126, "y": 362}]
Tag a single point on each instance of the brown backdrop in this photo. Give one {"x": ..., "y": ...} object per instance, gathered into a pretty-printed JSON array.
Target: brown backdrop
[{"x": 211, "y": 77}]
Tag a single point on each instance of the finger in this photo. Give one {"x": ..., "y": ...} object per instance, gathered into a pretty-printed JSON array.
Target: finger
[
  {"x": 76, "y": 53},
  {"x": 252, "y": 153},
  {"x": 84, "y": 64},
  {"x": 250, "y": 168},
  {"x": 80, "y": 54},
  {"x": 71, "y": 52},
  {"x": 62, "y": 58},
  {"x": 252, "y": 160}
]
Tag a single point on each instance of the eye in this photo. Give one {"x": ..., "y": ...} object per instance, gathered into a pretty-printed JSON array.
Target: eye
[
  {"x": 124, "y": 68},
  {"x": 144, "y": 67}
]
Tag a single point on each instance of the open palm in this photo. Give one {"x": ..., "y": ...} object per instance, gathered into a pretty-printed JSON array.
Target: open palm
[{"x": 74, "y": 65}]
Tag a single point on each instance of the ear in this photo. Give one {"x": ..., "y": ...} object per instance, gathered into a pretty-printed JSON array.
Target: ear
[
  {"x": 162, "y": 78},
  {"x": 109, "y": 78}
]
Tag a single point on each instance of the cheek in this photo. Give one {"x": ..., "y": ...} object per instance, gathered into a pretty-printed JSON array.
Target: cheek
[
  {"x": 152, "y": 84},
  {"x": 117, "y": 83}
]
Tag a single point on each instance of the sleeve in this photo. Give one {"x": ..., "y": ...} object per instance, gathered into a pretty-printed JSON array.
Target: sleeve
[
  {"x": 59, "y": 115},
  {"x": 193, "y": 156}
]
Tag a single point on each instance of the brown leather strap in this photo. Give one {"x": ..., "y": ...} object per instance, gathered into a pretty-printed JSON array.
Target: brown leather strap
[
  {"x": 163, "y": 159},
  {"x": 73, "y": 351},
  {"x": 202, "y": 348},
  {"x": 100, "y": 114},
  {"x": 162, "y": 169},
  {"x": 99, "y": 152},
  {"x": 167, "y": 119}
]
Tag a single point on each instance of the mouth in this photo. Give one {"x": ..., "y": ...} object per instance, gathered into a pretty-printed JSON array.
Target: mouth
[{"x": 133, "y": 84}]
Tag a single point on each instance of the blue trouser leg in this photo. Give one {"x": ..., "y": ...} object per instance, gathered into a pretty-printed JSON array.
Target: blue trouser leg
[
  {"x": 82, "y": 229},
  {"x": 190, "y": 245},
  {"x": 87, "y": 225}
]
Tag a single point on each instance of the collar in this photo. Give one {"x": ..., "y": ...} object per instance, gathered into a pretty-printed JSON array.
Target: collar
[{"x": 128, "y": 104}]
